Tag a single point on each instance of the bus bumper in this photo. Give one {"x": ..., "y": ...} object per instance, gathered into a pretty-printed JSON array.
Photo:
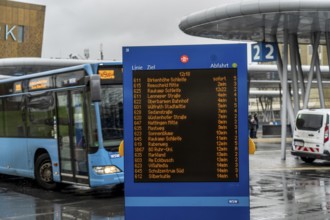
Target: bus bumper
[{"x": 107, "y": 179}]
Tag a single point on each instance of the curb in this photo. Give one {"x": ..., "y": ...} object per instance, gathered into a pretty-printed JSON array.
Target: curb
[{"x": 270, "y": 140}]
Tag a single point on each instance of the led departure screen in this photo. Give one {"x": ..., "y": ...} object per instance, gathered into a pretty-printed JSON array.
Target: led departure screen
[{"x": 185, "y": 125}]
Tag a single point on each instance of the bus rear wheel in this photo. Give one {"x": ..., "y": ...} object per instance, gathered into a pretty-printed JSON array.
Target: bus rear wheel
[{"x": 44, "y": 172}]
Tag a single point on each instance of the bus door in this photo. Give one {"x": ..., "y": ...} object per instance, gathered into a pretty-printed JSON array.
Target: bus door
[{"x": 72, "y": 136}]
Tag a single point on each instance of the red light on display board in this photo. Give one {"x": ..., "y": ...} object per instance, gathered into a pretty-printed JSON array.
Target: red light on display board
[{"x": 184, "y": 59}]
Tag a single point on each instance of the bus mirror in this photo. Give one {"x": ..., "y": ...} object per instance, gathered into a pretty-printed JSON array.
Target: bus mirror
[{"x": 95, "y": 88}]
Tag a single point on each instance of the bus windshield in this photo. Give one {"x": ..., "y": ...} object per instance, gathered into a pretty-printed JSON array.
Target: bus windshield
[{"x": 111, "y": 108}]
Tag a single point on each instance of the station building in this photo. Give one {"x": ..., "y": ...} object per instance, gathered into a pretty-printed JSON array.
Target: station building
[
  {"x": 21, "y": 29},
  {"x": 21, "y": 40}
]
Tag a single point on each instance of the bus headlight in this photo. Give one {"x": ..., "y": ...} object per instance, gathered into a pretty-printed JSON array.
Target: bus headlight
[{"x": 106, "y": 169}]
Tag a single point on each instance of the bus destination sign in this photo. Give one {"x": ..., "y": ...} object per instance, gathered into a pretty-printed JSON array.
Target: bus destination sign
[{"x": 107, "y": 73}]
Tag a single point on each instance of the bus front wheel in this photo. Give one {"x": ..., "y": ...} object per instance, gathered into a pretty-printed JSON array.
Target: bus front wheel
[{"x": 44, "y": 172}]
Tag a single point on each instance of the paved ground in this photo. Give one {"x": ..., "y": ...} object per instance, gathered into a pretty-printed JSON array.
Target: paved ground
[
  {"x": 280, "y": 189},
  {"x": 289, "y": 189}
]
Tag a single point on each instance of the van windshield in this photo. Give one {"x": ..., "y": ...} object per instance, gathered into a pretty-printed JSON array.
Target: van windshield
[{"x": 309, "y": 122}]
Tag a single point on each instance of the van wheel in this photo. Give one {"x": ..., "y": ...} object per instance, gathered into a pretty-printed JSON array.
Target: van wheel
[
  {"x": 44, "y": 172},
  {"x": 307, "y": 159}
]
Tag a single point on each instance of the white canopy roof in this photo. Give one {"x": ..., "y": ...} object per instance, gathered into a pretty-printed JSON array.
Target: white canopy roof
[{"x": 259, "y": 20}]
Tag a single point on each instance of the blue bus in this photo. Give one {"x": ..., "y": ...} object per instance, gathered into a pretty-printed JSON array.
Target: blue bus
[{"x": 63, "y": 126}]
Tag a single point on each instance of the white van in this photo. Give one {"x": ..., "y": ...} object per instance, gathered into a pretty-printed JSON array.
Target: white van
[{"x": 311, "y": 135}]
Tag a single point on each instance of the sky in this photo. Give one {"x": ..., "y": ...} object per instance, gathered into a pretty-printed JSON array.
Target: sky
[{"x": 71, "y": 26}]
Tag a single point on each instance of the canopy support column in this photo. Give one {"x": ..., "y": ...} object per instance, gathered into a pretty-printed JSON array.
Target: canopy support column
[
  {"x": 285, "y": 95},
  {"x": 316, "y": 42},
  {"x": 319, "y": 81},
  {"x": 286, "y": 106},
  {"x": 300, "y": 72},
  {"x": 327, "y": 38},
  {"x": 294, "y": 73},
  {"x": 283, "y": 66},
  {"x": 264, "y": 116}
]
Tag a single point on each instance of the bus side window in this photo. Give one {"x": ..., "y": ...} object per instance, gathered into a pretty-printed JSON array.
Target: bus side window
[
  {"x": 41, "y": 111},
  {"x": 15, "y": 126}
]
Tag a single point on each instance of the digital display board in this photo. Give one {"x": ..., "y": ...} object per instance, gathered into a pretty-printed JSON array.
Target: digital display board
[
  {"x": 185, "y": 125},
  {"x": 186, "y": 132}
]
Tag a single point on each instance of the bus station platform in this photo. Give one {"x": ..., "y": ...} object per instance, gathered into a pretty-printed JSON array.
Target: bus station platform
[{"x": 279, "y": 189}]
